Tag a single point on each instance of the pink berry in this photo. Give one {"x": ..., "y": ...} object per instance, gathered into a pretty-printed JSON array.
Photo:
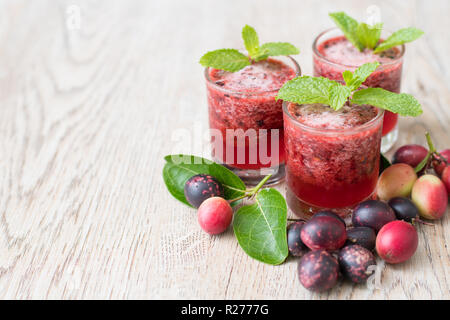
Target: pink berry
[
  {"x": 214, "y": 215},
  {"x": 430, "y": 196},
  {"x": 397, "y": 241}
]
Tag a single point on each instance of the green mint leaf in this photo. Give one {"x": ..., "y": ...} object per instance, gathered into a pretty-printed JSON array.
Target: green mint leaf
[
  {"x": 399, "y": 37},
  {"x": 179, "y": 168},
  {"x": 280, "y": 48},
  {"x": 369, "y": 36},
  {"x": 260, "y": 228},
  {"x": 349, "y": 27},
  {"x": 306, "y": 89},
  {"x": 251, "y": 40},
  {"x": 354, "y": 80},
  {"x": 400, "y": 103},
  {"x": 261, "y": 55},
  {"x": 338, "y": 95},
  {"x": 225, "y": 59},
  {"x": 348, "y": 76}
]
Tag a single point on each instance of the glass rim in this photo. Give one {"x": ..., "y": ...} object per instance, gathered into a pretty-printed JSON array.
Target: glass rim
[
  {"x": 326, "y": 131},
  {"x": 321, "y": 56},
  {"x": 297, "y": 69}
]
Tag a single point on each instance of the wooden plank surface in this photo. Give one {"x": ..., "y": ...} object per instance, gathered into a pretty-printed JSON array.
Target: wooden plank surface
[{"x": 90, "y": 109}]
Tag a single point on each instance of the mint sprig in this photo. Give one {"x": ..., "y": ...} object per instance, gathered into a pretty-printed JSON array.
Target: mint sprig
[
  {"x": 307, "y": 90},
  {"x": 225, "y": 59},
  {"x": 362, "y": 35},
  {"x": 232, "y": 60},
  {"x": 349, "y": 27},
  {"x": 399, "y": 37}
]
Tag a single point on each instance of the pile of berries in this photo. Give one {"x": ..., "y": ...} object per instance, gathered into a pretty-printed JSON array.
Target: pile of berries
[{"x": 328, "y": 249}]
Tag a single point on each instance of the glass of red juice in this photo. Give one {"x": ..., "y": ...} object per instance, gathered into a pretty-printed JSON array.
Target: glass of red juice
[
  {"x": 246, "y": 122},
  {"x": 333, "y": 54},
  {"x": 332, "y": 157}
]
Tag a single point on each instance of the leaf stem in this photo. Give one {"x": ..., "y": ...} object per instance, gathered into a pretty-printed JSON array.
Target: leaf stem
[{"x": 251, "y": 192}]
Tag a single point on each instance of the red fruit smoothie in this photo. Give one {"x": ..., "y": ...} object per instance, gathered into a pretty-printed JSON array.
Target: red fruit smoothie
[
  {"x": 335, "y": 55},
  {"x": 244, "y": 101},
  {"x": 332, "y": 157}
]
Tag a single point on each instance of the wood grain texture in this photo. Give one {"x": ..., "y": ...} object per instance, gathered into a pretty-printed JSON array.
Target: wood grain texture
[{"x": 89, "y": 113}]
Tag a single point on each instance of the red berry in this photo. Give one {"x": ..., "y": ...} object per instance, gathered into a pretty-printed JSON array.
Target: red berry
[
  {"x": 411, "y": 154},
  {"x": 215, "y": 215},
  {"x": 446, "y": 178},
  {"x": 397, "y": 241},
  {"x": 439, "y": 166}
]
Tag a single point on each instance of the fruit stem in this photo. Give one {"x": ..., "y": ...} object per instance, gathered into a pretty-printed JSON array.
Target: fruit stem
[
  {"x": 251, "y": 192},
  {"x": 423, "y": 222},
  {"x": 431, "y": 147}
]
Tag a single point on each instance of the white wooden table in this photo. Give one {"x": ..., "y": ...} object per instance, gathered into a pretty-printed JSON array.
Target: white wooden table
[{"x": 89, "y": 108}]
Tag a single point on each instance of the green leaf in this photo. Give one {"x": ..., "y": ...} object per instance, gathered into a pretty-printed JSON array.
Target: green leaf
[
  {"x": 384, "y": 163},
  {"x": 261, "y": 55},
  {"x": 369, "y": 35},
  {"x": 399, "y": 37},
  {"x": 338, "y": 95},
  {"x": 260, "y": 228},
  {"x": 179, "y": 168},
  {"x": 307, "y": 89},
  {"x": 400, "y": 103},
  {"x": 349, "y": 27},
  {"x": 354, "y": 80},
  {"x": 251, "y": 40},
  {"x": 225, "y": 59},
  {"x": 280, "y": 48},
  {"x": 422, "y": 163}
]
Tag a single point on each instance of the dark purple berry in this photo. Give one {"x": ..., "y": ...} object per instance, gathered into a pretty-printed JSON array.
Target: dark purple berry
[
  {"x": 373, "y": 214},
  {"x": 355, "y": 261},
  {"x": 201, "y": 187},
  {"x": 318, "y": 271},
  {"x": 296, "y": 247},
  {"x": 404, "y": 209},
  {"x": 363, "y": 236},
  {"x": 325, "y": 232},
  {"x": 327, "y": 213}
]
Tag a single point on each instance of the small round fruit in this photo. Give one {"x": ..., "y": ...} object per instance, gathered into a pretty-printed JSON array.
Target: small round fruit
[
  {"x": 404, "y": 209},
  {"x": 430, "y": 196},
  {"x": 296, "y": 247},
  {"x": 201, "y": 187},
  {"x": 397, "y": 241},
  {"x": 439, "y": 166},
  {"x": 446, "y": 178},
  {"x": 329, "y": 213},
  {"x": 215, "y": 215},
  {"x": 363, "y": 236},
  {"x": 373, "y": 214},
  {"x": 411, "y": 154},
  {"x": 325, "y": 232},
  {"x": 318, "y": 271},
  {"x": 396, "y": 181},
  {"x": 355, "y": 261}
]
